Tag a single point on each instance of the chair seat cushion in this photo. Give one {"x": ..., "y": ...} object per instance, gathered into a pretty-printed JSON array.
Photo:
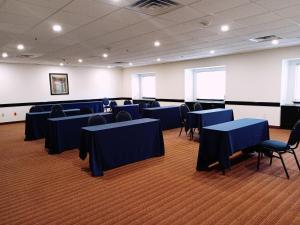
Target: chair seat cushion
[{"x": 275, "y": 145}]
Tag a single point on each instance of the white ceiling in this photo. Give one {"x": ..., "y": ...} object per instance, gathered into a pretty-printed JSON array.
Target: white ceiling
[{"x": 92, "y": 27}]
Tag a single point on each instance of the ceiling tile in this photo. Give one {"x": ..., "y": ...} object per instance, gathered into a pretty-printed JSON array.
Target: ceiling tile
[
  {"x": 289, "y": 11},
  {"x": 214, "y": 6},
  {"x": 53, "y": 4},
  {"x": 182, "y": 14},
  {"x": 277, "y": 4}
]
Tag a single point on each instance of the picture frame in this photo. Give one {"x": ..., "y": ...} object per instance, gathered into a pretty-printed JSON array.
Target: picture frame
[{"x": 59, "y": 84}]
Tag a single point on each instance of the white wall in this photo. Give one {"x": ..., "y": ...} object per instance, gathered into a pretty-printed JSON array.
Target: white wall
[
  {"x": 254, "y": 76},
  {"x": 30, "y": 83}
]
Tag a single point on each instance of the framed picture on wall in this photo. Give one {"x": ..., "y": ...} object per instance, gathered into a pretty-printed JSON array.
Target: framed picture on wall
[{"x": 59, "y": 84}]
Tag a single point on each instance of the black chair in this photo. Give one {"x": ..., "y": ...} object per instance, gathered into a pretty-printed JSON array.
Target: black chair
[
  {"x": 57, "y": 113},
  {"x": 57, "y": 107},
  {"x": 155, "y": 104},
  {"x": 36, "y": 108},
  {"x": 123, "y": 116},
  {"x": 269, "y": 147},
  {"x": 198, "y": 106},
  {"x": 184, "y": 109},
  {"x": 96, "y": 120},
  {"x": 105, "y": 104},
  {"x": 112, "y": 104},
  {"x": 86, "y": 110},
  {"x": 127, "y": 102}
]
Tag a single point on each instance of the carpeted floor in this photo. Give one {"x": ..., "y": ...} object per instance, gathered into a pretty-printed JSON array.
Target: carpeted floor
[{"x": 37, "y": 188}]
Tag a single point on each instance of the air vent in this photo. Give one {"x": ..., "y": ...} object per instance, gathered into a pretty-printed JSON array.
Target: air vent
[
  {"x": 24, "y": 56},
  {"x": 118, "y": 63},
  {"x": 153, "y": 7},
  {"x": 265, "y": 38}
]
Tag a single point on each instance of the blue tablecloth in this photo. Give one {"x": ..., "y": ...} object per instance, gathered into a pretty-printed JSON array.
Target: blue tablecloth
[
  {"x": 220, "y": 141},
  {"x": 132, "y": 109},
  {"x": 169, "y": 116},
  {"x": 36, "y": 123},
  {"x": 116, "y": 144},
  {"x": 203, "y": 118},
  {"x": 95, "y": 106},
  {"x": 64, "y": 132}
]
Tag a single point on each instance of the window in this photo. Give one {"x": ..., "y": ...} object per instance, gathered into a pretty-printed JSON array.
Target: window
[
  {"x": 143, "y": 85},
  {"x": 297, "y": 84}
]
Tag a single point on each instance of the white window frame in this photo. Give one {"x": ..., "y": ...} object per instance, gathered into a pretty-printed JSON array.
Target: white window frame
[
  {"x": 138, "y": 78},
  {"x": 296, "y": 85}
]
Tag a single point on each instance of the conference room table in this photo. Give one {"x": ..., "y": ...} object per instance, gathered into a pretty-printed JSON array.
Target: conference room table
[
  {"x": 203, "y": 118},
  {"x": 220, "y": 141},
  {"x": 95, "y": 106},
  {"x": 36, "y": 123},
  {"x": 64, "y": 132},
  {"x": 169, "y": 116},
  {"x": 116, "y": 144},
  {"x": 132, "y": 109}
]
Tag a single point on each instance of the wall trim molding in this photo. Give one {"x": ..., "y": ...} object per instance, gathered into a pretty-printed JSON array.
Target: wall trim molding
[{"x": 269, "y": 104}]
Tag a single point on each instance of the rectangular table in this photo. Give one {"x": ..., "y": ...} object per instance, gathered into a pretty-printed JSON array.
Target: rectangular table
[
  {"x": 203, "y": 118},
  {"x": 95, "y": 106},
  {"x": 132, "y": 109},
  {"x": 169, "y": 116},
  {"x": 36, "y": 123},
  {"x": 116, "y": 144},
  {"x": 64, "y": 132},
  {"x": 219, "y": 142}
]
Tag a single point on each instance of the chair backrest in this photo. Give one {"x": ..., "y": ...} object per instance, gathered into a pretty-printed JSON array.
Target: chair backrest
[
  {"x": 184, "y": 109},
  {"x": 143, "y": 105},
  {"x": 198, "y": 106},
  {"x": 57, "y": 107},
  {"x": 96, "y": 120},
  {"x": 86, "y": 110},
  {"x": 57, "y": 113},
  {"x": 105, "y": 101},
  {"x": 113, "y": 103},
  {"x": 36, "y": 108},
  {"x": 123, "y": 116},
  {"x": 155, "y": 104},
  {"x": 295, "y": 135},
  {"x": 127, "y": 102}
]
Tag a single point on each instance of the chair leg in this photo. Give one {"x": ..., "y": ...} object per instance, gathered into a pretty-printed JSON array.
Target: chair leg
[
  {"x": 258, "y": 160},
  {"x": 286, "y": 172},
  {"x": 180, "y": 130},
  {"x": 271, "y": 158},
  {"x": 296, "y": 159}
]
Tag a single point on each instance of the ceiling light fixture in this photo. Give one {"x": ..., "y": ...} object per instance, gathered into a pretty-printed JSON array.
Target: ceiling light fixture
[
  {"x": 61, "y": 64},
  {"x": 156, "y": 43},
  {"x": 275, "y": 42},
  {"x": 108, "y": 67},
  {"x": 104, "y": 55},
  {"x": 158, "y": 59},
  {"x": 224, "y": 28},
  {"x": 212, "y": 52},
  {"x": 20, "y": 47},
  {"x": 4, "y": 55},
  {"x": 57, "y": 28},
  {"x": 130, "y": 64},
  {"x": 80, "y": 60}
]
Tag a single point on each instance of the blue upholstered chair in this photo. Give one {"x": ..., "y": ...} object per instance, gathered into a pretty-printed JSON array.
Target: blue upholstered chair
[
  {"x": 127, "y": 102},
  {"x": 86, "y": 110},
  {"x": 105, "y": 104},
  {"x": 184, "y": 109},
  {"x": 57, "y": 113},
  {"x": 36, "y": 108},
  {"x": 269, "y": 147},
  {"x": 96, "y": 120},
  {"x": 155, "y": 104},
  {"x": 57, "y": 107},
  {"x": 123, "y": 116},
  {"x": 198, "y": 106}
]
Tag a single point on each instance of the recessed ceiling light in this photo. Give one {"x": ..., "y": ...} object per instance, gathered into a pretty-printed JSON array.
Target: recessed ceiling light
[
  {"x": 212, "y": 51},
  {"x": 275, "y": 42},
  {"x": 61, "y": 64},
  {"x": 108, "y": 67},
  {"x": 80, "y": 60},
  {"x": 57, "y": 28},
  {"x": 105, "y": 55},
  {"x": 158, "y": 59},
  {"x": 130, "y": 64},
  {"x": 20, "y": 46},
  {"x": 224, "y": 28},
  {"x": 156, "y": 43},
  {"x": 4, "y": 55}
]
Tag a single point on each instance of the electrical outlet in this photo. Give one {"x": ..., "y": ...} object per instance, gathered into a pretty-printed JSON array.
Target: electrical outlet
[{"x": 15, "y": 113}]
